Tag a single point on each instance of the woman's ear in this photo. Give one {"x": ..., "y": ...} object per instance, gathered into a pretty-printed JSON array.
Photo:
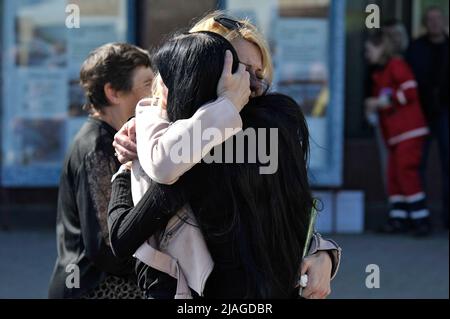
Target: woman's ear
[{"x": 112, "y": 95}]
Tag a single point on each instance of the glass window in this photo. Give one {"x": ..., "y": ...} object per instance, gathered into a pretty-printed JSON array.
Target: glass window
[
  {"x": 307, "y": 42},
  {"x": 41, "y": 99}
]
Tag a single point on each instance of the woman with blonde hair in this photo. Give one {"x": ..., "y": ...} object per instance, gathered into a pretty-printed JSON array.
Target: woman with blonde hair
[
  {"x": 252, "y": 48},
  {"x": 253, "y": 52}
]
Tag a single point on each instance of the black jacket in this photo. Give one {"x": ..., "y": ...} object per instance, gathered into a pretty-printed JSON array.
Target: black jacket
[
  {"x": 429, "y": 62},
  {"x": 82, "y": 232}
]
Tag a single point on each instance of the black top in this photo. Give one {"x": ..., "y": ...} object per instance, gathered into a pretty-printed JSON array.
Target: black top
[
  {"x": 130, "y": 226},
  {"x": 430, "y": 64},
  {"x": 81, "y": 226}
]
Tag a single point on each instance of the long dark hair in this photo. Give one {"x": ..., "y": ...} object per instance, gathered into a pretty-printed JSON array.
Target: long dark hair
[
  {"x": 190, "y": 65},
  {"x": 264, "y": 216},
  {"x": 279, "y": 204}
]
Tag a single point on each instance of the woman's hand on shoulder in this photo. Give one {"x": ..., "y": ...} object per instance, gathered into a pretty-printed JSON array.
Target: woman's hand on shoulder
[{"x": 125, "y": 142}]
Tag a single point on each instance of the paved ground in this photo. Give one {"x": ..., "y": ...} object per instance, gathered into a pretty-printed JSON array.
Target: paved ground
[
  {"x": 409, "y": 268},
  {"x": 26, "y": 263}
]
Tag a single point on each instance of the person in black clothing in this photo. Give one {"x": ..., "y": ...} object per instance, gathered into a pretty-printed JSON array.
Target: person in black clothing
[
  {"x": 428, "y": 57},
  {"x": 254, "y": 225},
  {"x": 114, "y": 77}
]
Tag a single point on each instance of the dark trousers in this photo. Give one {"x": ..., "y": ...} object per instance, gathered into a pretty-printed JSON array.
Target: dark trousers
[{"x": 440, "y": 131}]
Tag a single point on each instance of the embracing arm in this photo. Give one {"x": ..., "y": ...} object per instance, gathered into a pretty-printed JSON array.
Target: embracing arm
[
  {"x": 130, "y": 226},
  {"x": 233, "y": 91},
  {"x": 321, "y": 265},
  {"x": 320, "y": 244},
  {"x": 156, "y": 136}
]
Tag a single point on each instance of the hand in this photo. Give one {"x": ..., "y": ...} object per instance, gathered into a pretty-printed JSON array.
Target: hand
[
  {"x": 128, "y": 165},
  {"x": 125, "y": 142},
  {"x": 318, "y": 267},
  {"x": 159, "y": 94},
  {"x": 234, "y": 86},
  {"x": 371, "y": 104}
]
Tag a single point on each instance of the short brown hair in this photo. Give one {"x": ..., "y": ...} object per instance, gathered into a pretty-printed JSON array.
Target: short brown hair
[{"x": 112, "y": 63}]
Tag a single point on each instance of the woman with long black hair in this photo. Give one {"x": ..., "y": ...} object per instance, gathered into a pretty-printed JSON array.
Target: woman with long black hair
[{"x": 254, "y": 225}]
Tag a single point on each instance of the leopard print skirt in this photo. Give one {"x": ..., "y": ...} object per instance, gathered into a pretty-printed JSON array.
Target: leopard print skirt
[{"x": 115, "y": 288}]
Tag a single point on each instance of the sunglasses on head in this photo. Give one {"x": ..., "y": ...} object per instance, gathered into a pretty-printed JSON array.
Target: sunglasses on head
[{"x": 228, "y": 22}]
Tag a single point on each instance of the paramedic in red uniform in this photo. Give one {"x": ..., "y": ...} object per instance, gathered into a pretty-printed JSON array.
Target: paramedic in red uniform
[{"x": 395, "y": 98}]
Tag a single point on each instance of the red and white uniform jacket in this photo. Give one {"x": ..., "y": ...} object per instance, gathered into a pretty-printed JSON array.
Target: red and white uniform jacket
[{"x": 403, "y": 118}]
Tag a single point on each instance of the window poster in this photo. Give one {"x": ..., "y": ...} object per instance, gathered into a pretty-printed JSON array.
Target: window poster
[
  {"x": 42, "y": 102},
  {"x": 306, "y": 38}
]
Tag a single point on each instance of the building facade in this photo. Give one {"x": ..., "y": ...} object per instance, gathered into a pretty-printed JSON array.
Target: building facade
[{"x": 317, "y": 47}]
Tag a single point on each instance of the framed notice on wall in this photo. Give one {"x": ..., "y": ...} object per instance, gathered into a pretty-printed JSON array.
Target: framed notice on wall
[{"x": 41, "y": 101}]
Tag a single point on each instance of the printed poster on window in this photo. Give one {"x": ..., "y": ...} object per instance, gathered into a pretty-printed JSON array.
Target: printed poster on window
[
  {"x": 306, "y": 38},
  {"x": 41, "y": 99}
]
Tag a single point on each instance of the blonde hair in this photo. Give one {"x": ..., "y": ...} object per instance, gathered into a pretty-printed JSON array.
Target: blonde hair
[{"x": 246, "y": 31}]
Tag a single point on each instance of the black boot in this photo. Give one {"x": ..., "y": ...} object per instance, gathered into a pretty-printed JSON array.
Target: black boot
[
  {"x": 395, "y": 226},
  {"x": 421, "y": 227}
]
